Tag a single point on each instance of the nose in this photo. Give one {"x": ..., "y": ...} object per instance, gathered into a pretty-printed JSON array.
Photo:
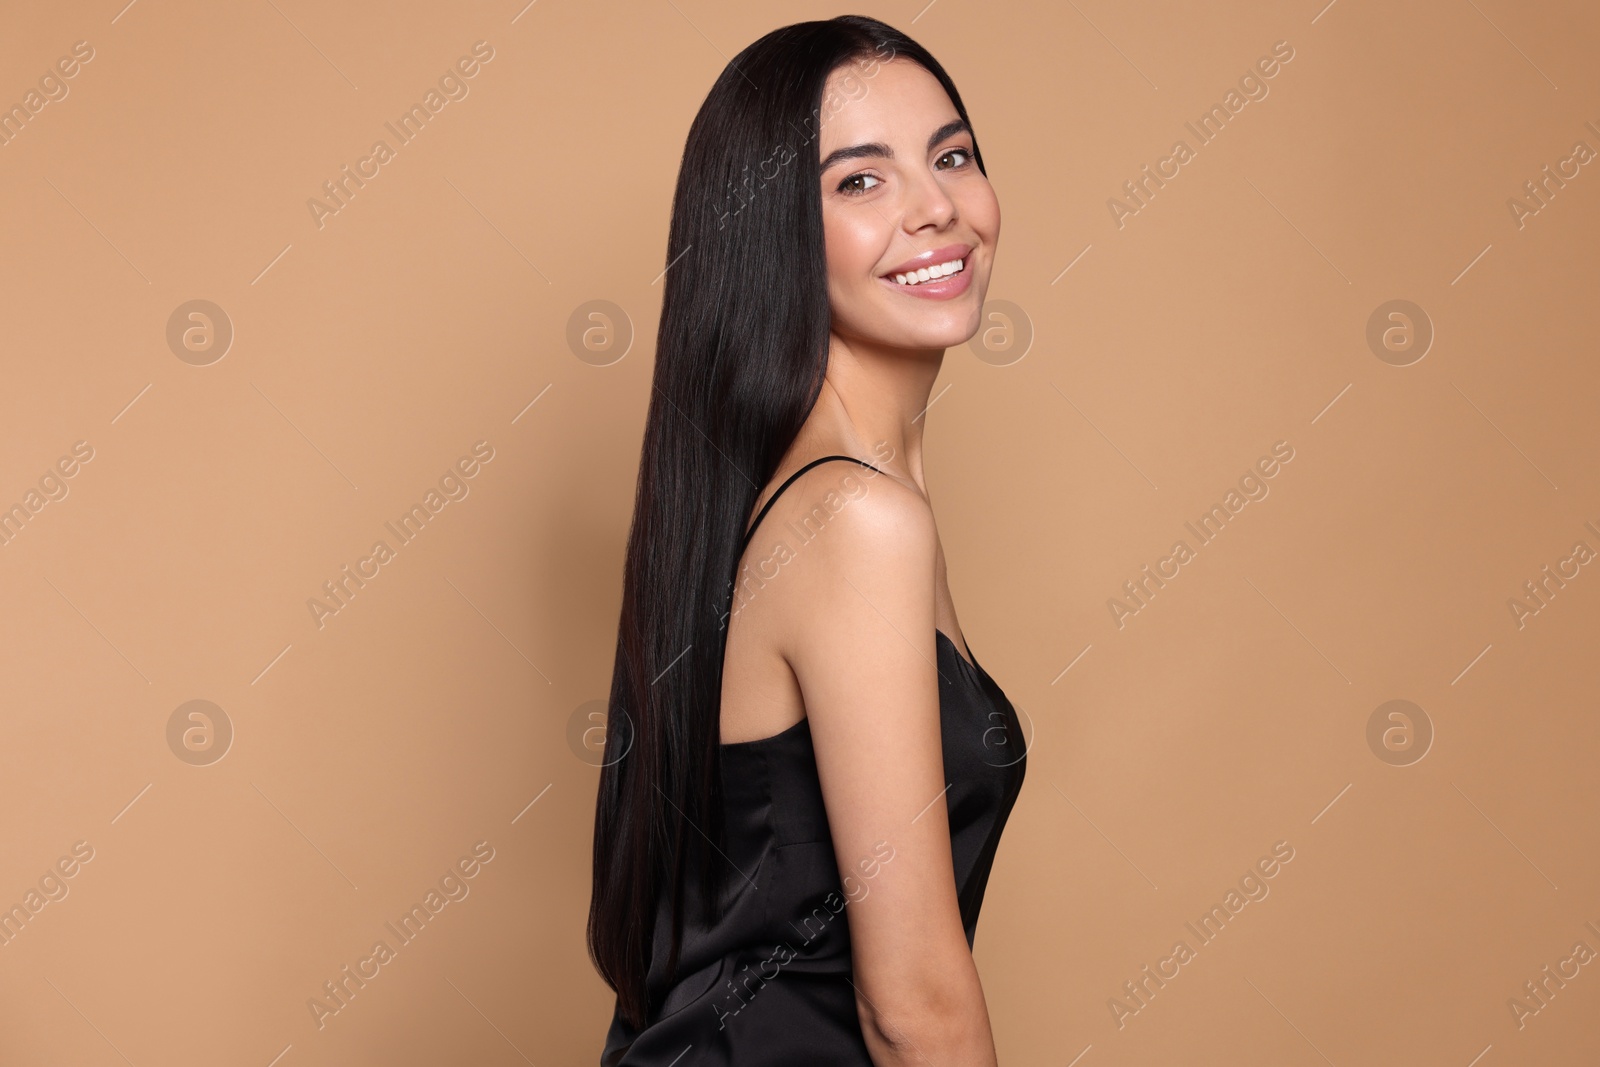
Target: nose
[{"x": 927, "y": 203}]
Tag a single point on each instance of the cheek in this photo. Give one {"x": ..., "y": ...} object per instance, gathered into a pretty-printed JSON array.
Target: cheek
[
  {"x": 855, "y": 243},
  {"x": 981, "y": 208}
]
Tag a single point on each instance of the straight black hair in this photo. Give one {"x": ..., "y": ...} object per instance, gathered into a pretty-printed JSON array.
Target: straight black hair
[{"x": 741, "y": 351}]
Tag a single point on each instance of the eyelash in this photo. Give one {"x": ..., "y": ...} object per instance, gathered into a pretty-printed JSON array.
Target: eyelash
[{"x": 864, "y": 174}]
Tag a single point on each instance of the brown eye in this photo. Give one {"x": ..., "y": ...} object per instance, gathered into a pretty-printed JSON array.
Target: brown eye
[
  {"x": 849, "y": 190},
  {"x": 957, "y": 152}
]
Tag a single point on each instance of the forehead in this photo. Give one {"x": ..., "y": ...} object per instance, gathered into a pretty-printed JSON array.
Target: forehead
[{"x": 896, "y": 103}]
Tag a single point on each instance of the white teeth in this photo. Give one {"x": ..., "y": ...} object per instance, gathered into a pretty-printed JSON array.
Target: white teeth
[{"x": 933, "y": 273}]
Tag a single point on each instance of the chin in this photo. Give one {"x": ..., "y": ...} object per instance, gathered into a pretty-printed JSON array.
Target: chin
[
  {"x": 955, "y": 327},
  {"x": 933, "y": 340}
]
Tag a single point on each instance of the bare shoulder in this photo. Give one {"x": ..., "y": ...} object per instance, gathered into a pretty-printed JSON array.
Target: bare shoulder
[
  {"x": 841, "y": 539},
  {"x": 884, "y": 523},
  {"x": 863, "y": 551},
  {"x": 843, "y": 510}
]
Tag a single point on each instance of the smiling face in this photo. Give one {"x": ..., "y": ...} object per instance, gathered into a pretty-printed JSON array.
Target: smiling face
[{"x": 903, "y": 198}]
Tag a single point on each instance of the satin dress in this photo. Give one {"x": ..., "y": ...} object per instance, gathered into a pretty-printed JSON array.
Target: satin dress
[{"x": 769, "y": 983}]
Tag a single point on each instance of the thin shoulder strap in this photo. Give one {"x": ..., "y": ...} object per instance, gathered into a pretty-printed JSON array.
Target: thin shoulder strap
[{"x": 786, "y": 483}]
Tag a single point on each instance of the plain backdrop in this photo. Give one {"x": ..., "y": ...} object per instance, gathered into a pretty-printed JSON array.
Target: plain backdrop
[{"x": 259, "y": 390}]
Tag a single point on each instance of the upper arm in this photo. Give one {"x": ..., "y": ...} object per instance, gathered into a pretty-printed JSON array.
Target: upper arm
[{"x": 860, "y": 639}]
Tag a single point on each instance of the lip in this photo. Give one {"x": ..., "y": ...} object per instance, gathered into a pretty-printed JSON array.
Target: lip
[
  {"x": 929, "y": 258},
  {"x": 941, "y": 288}
]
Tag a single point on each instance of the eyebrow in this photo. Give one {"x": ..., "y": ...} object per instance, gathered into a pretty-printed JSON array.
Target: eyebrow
[{"x": 874, "y": 148}]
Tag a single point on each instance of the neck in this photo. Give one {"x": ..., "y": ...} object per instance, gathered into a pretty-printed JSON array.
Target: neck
[{"x": 874, "y": 393}]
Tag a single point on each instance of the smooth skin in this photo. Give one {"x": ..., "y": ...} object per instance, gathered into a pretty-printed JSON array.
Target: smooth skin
[{"x": 840, "y": 628}]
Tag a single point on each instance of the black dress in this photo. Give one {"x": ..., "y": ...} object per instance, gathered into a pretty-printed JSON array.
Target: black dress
[{"x": 770, "y": 983}]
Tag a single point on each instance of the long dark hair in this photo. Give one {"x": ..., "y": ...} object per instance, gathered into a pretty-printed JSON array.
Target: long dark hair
[{"x": 741, "y": 351}]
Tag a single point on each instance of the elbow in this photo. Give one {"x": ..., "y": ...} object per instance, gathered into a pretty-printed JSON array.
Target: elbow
[{"x": 912, "y": 1020}]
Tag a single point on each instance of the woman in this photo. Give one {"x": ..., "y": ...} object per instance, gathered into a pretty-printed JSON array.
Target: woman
[{"x": 801, "y": 749}]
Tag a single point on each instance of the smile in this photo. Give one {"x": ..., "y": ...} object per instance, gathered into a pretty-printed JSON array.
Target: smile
[
  {"x": 939, "y": 281},
  {"x": 930, "y": 274}
]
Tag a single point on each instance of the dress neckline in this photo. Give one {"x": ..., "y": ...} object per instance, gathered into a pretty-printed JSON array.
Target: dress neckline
[{"x": 973, "y": 663}]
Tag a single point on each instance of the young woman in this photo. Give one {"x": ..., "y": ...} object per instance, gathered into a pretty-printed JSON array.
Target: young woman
[{"x": 807, "y": 771}]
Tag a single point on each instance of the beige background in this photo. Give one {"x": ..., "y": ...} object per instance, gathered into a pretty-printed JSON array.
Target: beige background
[{"x": 432, "y": 712}]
